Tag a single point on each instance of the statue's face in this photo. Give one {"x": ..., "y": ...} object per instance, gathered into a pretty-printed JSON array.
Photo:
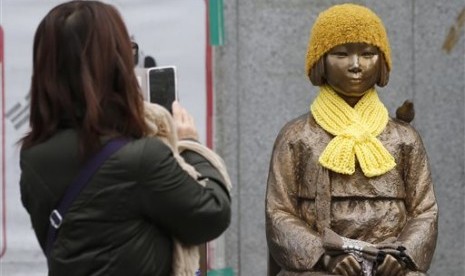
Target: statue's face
[{"x": 352, "y": 68}]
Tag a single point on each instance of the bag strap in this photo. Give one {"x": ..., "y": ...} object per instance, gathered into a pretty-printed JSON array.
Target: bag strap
[{"x": 73, "y": 190}]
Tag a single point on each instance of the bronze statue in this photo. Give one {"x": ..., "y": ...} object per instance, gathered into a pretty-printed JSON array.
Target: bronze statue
[{"x": 349, "y": 189}]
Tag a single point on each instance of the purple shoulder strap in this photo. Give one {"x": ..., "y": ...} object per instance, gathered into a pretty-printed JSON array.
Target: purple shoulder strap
[{"x": 73, "y": 190}]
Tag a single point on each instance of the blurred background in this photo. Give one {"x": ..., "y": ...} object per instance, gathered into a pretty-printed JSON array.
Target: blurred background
[{"x": 258, "y": 84}]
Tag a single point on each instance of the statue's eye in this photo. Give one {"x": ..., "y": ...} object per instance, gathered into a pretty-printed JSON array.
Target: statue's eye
[
  {"x": 368, "y": 54},
  {"x": 339, "y": 54}
]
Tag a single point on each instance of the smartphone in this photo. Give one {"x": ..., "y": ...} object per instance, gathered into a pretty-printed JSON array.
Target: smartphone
[{"x": 162, "y": 86}]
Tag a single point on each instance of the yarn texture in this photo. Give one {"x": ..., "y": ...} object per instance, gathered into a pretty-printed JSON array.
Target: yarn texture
[
  {"x": 346, "y": 23},
  {"x": 355, "y": 130}
]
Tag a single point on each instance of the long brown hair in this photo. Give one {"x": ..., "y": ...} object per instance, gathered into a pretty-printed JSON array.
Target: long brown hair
[{"x": 83, "y": 76}]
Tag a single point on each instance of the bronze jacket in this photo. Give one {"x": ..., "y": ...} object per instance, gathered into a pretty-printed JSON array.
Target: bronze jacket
[
  {"x": 123, "y": 221},
  {"x": 399, "y": 204}
]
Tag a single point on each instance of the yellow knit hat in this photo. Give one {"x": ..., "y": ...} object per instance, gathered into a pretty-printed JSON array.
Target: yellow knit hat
[{"x": 346, "y": 23}]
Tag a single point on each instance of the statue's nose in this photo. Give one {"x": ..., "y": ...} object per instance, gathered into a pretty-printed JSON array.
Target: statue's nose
[{"x": 354, "y": 64}]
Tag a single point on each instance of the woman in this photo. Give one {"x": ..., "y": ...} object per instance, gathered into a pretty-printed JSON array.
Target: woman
[
  {"x": 349, "y": 189},
  {"x": 83, "y": 93}
]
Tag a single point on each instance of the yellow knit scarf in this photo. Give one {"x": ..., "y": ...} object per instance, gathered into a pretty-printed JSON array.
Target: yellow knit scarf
[{"x": 355, "y": 130}]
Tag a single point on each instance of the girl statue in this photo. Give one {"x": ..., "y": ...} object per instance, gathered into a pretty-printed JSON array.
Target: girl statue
[{"x": 349, "y": 190}]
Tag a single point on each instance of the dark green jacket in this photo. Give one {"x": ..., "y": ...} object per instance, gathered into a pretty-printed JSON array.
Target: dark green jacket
[{"x": 123, "y": 222}]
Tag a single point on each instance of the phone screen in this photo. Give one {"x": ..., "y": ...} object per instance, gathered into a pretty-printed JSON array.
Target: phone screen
[{"x": 162, "y": 86}]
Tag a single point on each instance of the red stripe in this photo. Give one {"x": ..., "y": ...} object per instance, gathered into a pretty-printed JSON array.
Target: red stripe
[
  {"x": 209, "y": 117},
  {"x": 3, "y": 250},
  {"x": 209, "y": 79}
]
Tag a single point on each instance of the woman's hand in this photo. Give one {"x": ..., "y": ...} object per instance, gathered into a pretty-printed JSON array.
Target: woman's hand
[
  {"x": 345, "y": 265},
  {"x": 184, "y": 123},
  {"x": 390, "y": 267}
]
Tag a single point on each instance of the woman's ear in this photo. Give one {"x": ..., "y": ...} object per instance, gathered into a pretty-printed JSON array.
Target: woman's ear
[
  {"x": 383, "y": 72},
  {"x": 317, "y": 73}
]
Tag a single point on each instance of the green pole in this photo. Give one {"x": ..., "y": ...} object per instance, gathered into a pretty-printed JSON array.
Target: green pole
[{"x": 216, "y": 22}]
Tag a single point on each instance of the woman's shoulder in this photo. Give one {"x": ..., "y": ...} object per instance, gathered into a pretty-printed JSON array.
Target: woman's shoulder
[
  {"x": 141, "y": 155},
  {"x": 147, "y": 148},
  {"x": 63, "y": 144}
]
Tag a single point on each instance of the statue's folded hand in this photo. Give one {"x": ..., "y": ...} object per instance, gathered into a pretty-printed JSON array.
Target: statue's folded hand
[
  {"x": 345, "y": 265},
  {"x": 391, "y": 267}
]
